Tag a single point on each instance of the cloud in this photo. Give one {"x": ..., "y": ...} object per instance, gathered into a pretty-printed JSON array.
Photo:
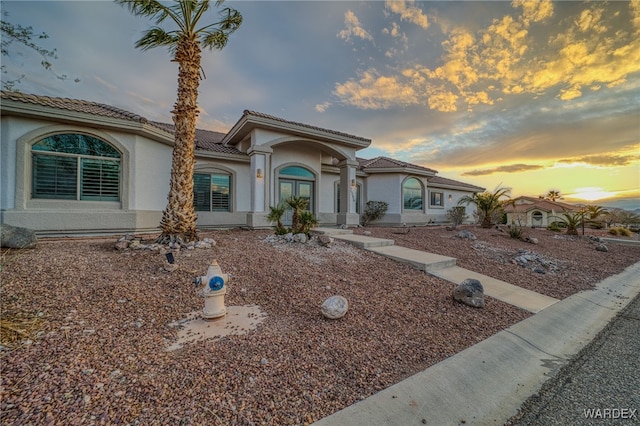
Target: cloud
[
  {"x": 354, "y": 28},
  {"x": 408, "y": 12},
  {"x": 604, "y": 160},
  {"x": 534, "y": 10},
  {"x": 322, "y": 107},
  {"x": 511, "y": 168},
  {"x": 374, "y": 91},
  {"x": 532, "y": 53}
]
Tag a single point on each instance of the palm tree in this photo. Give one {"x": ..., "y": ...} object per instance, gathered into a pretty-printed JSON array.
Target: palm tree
[
  {"x": 184, "y": 43},
  {"x": 573, "y": 220},
  {"x": 552, "y": 195},
  {"x": 297, "y": 204},
  {"x": 488, "y": 204},
  {"x": 595, "y": 211}
]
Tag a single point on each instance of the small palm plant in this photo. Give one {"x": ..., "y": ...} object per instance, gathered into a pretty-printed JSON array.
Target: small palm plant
[
  {"x": 572, "y": 220},
  {"x": 298, "y": 205},
  {"x": 275, "y": 215},
  {"x": 307, "y": 221},
  {"x": 488, "y": 204}
]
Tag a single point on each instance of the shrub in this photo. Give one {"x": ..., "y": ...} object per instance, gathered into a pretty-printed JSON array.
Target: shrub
[
  {"x": 620, "y": 232},
  {"x": 516, "y": 232},
  {"x": 374, "y": 210},
  {"x": 456, "y": 215},
  {"x": 554, "y": 227}
]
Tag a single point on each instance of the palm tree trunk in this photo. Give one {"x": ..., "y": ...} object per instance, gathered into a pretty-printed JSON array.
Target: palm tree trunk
[{"x": 179, "y": 218}]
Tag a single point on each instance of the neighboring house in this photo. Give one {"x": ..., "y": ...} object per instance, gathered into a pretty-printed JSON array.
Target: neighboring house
[
  {"x": 77, "y": 166},
  {"x": 536, "y": 212}
]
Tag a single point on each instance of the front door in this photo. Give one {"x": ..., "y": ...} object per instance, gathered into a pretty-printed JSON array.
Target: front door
[{"x": 295, "y": 188}]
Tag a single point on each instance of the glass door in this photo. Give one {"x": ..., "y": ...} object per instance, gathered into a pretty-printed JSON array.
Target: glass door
[{"x": 295, "y": 188}]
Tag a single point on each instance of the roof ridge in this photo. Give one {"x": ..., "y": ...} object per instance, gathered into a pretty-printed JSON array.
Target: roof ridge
[
  {"x": 248, "y": 112},
  {"x": 65, "y": 103}
]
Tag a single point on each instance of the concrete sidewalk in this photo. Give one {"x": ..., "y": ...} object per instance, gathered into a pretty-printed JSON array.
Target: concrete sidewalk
[
  {"x": 486, "y": 383},
  {"x": 445, "y": 268}
]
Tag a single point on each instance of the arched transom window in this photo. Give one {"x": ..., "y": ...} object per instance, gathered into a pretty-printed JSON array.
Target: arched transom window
[
  {"x": 412, "y": 194},
  {"x": 73, "y": 166}
]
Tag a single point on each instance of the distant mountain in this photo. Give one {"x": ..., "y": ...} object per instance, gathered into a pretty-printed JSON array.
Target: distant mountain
[{"x": 631, "y": 204}]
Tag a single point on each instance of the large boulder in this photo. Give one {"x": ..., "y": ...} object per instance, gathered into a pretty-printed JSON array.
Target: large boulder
[
  {"x": 334, "y": 307},
  {"x": 470, "y": 292},
  {"x": 17, "y": 238}
]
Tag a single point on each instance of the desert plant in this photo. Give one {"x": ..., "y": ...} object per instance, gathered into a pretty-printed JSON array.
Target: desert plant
[
  {"x": 572, "y": 220},
  {"x": 554, "y": 227},
  {"x": 456, "y": 215},
  {"x": 489, "y": 204},
  {"x": 185, "y": 37},
  {"x": 373, "y": 210},
  {"x": 307, "y": 221},
  {"x": 620, "y": 232},
  {"x": 298, "y": 205},
  {"x": 275, "y": 215}
]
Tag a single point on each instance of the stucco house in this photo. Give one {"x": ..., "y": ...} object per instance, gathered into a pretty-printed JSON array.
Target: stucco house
[
  {"x": 536, "y": 212},
  {"x": 73, "y": 166}
]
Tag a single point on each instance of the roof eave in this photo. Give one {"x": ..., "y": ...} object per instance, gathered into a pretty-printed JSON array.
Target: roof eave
[
  {"x": 405, "y": 170},
  {"x": 250, "y": 122},
  {"x": 21, "y": 109}
]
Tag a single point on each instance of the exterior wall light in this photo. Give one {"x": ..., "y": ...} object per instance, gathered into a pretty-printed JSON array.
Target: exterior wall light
[
  {"x": 259, "y": 173},
  {"x": 353, "y": 183}
]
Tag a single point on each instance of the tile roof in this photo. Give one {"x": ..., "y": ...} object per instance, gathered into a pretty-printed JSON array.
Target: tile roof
[
  {"x": 438, "y": 180},
  {"x": 247, "y": 113},
  {"x": 389, "y": 163},
  {"x": 538, "y": 204},
  {"x": 206, "y": 140},
  {"x": 74, "y": 105}
]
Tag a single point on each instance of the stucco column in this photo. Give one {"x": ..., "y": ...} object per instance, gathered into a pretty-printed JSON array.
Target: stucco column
[
  {"x": 348, "y": 190},
  {"x": 260, "y": 180}
]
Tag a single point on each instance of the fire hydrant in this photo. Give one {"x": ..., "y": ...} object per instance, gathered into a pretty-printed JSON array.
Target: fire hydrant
[{"x": 214, "y": 287}]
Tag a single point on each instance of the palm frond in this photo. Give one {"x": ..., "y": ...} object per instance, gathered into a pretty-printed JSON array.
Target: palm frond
[{"x": 156, "y": 37}]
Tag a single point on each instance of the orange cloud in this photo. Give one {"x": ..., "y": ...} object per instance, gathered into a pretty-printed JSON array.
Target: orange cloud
[
  {"x": 508, "y": 57},
  {"x": 408, "y": 12},
  {"x": 354, "y": 28}
]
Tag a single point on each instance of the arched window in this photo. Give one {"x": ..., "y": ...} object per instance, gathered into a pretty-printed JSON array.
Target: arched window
[
  {"x": 297, "y": 172},
  {"x": 536, "y": 216},
  {"x": 212, "y": 191},
  {"x": 412, "y": 194},
  {"x": 73, "y": 166}
]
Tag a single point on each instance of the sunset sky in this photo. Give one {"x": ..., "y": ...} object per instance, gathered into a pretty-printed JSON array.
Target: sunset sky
[{"x": 529, "y": 95}]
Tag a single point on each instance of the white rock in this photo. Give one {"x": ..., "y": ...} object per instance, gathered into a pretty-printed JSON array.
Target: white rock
[{"x": 334, "y": 307}]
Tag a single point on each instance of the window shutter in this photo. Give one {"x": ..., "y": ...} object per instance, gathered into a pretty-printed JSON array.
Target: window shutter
[
  {"x": 100, "y": 180},
  {"x": 54, "y": 177}
]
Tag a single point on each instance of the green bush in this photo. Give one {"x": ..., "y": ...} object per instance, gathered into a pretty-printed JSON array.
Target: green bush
[
  {"x": 516, "y": 232},
  {"x": 554, "y": 227},
  {"x": 620, "y": 232}
]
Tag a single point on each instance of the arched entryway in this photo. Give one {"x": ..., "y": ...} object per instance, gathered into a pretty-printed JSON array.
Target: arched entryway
[{"x": 296, "y": 181}]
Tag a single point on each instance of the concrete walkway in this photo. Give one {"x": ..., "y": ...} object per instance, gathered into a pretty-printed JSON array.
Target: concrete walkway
[
  {"x": 487, "y": 383},
  {"x": 444, "y": 267}
]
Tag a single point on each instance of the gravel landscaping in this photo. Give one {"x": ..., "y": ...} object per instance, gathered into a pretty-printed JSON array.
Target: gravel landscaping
[{"x": 100, "y": 356}]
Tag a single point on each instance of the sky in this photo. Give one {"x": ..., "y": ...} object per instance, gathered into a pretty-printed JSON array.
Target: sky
[{"x": 534, "y": 96}]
